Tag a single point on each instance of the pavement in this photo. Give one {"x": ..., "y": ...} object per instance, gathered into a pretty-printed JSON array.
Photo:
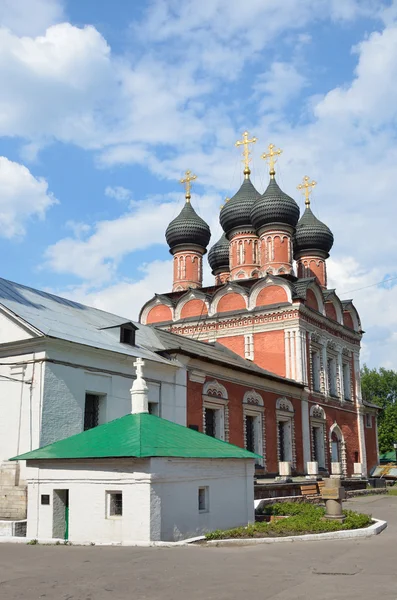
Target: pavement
[{"x": 355, "y": 569}]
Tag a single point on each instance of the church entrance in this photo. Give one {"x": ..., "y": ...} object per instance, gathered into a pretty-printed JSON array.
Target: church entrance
[{"x": 60, "y": 515}]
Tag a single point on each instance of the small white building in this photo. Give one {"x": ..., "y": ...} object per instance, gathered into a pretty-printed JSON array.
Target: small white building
[{"x": 139, "y": 478}]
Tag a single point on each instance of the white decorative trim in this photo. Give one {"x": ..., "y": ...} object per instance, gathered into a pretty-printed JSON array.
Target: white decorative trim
[
  {"x": 197, "y": 376},
  {"x": 267, "y": 281},
  {"x": 230, "y": 288},
  {"x": 338, "y": 432},
  {"x": 253, "y": 398},
  {"x": 215, "y": 389},
  {"x": 191, "y": 295},
  {"x": 152, "y": 304},
  {"x": 285, "y": 405},
  {"x": 317, "y": 412},
  {"x": 315, "y": 288}
]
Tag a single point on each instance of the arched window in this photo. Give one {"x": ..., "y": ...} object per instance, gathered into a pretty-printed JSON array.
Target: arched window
[
  {"x": 318, "y": 436},
  {"x": 286, "y": 451},
  {"x": 215, "y": 410},
  {"x": 254, "y": 424}
]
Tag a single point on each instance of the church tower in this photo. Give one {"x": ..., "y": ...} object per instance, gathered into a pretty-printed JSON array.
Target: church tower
[
  {"x": 312, "y": 242},
  {"x": 236, "y": 223},
  {"x": 274, "y": 216},
  {"x": 188, "y": 236}
]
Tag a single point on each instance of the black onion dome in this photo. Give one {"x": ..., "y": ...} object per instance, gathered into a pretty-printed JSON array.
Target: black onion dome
[
  {"x": 187, "y": 228},
  {"x": 218, "y": 256},
  {"x": 312, "y": 234},
  {"x": 236, "y": 212},
  {"x": 274, "y": 206}
]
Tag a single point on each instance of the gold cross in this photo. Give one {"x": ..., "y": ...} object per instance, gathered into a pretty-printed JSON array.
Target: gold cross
[
  {"x": 305, "y": 187},
  {"x": 187, "y": 180},
  {"x": 246, "y": 152},
  {"x": 270, "y": 156}
]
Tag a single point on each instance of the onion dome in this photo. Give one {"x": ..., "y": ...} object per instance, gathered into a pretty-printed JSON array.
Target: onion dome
[
  {"x": 274, "y": 206},
  {"x": 236, "y": 212},
  {"x": 218, "y": 256},
  {"x": 187, "y": 228},
  {"x": 312, "y": 234}
]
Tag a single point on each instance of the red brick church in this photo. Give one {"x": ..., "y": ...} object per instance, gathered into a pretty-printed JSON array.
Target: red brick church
[{"x": 280, "y": 315}]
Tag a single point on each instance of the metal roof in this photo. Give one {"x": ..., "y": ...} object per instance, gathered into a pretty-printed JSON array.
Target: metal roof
[
  {"x": 71, "y": 321},
  {"x": 140, "y": 436}
]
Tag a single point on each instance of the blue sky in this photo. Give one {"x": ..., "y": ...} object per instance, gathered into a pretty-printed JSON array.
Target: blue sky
[{"x": 104, "y": 105}]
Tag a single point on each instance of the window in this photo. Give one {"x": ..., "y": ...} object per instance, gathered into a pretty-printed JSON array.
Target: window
[
  {"x": 284, "y": 440},
  {"x": 153, "y": 408},
  {"x": 91, "y": 411},
  {"x": 210, "y": 422},
  {"x": 346, "y": 381},
  {"x": 368, "y": 420},
  {"x": 114, "y": 504},
  {"x": 203, "y": 504},
  {"x": 249, "y": 346},
  {"x": 316, "y": 370},
  {"x": 250, "y": 433},
  {"x": 331, "y": 372},
  {"x": 127, "y": 336},
  {"x": 45, "y": 498}
]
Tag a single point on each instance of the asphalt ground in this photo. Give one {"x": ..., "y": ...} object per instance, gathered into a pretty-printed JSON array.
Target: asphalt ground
[{"x": 364, "y": 569}]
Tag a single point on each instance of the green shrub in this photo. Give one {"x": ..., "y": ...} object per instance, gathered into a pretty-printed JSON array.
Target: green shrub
[{"x": 300, "y": 519}]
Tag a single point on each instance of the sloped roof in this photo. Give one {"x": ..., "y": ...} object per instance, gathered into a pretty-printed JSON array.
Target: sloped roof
[
  {"x": 138, "y": 436},
  {"x": 212, "y": 351},
  {"x": 64, "y": 319}
]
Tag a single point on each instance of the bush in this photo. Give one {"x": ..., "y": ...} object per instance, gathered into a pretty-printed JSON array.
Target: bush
[{"x": 301, "y": 518}]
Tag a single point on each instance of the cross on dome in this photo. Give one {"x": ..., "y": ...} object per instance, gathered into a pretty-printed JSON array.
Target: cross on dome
[
  {"x": 305, "y": 188},
  {"x": 246, "y": 152},
  {"x": 187, "y": 180},
  {"x": 270, "y": 156}
]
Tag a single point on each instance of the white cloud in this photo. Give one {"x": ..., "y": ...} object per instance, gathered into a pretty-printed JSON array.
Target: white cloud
[
  {"x": 22, "y": 197},
  {"x": 118, "y": 192},
  {"x": 280, "y": 84},
  {"x": 30, "y": 17},
  {"x": 126, "y": 297},
  {"x": 96, "y": 257}
]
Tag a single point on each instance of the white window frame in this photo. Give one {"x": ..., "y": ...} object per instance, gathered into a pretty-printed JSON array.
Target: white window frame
[
  {"x": 249, "y": 346},
  {"x": 346, "y": 370},
  {"x": 203, "y": 489},
  {"x": 316, "y": 369},
  {"x": 109, "y": 494},
  {"x": 332, "y": 375}
]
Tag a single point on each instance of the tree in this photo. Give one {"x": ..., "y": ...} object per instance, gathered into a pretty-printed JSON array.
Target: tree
[{"x": 380, "y": 387}]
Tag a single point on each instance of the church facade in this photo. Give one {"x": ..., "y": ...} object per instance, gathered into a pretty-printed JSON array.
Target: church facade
[{"x": 270, "y": 304}]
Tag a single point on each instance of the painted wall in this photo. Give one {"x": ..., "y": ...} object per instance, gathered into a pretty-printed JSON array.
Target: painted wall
[{"x": 160, "y": 498}]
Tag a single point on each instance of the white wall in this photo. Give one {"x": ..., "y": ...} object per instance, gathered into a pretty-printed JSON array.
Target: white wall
[
  {"x": 160, "y": 497},
  {"x": 20, "y": 403},
  {"x": 175, "y": 488},
  {"x": 88, "y": 482}
]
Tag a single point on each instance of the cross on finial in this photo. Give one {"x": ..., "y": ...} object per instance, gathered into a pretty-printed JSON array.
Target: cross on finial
[
  {"x": 187, "y": 180},
  {"x": 139, "y": 364},
  {"x": 246, "y": 152},
  {"x": 226, "y": 200},
  {"x": 270, "y": 156},
  {"x": 305, "y": 187}
]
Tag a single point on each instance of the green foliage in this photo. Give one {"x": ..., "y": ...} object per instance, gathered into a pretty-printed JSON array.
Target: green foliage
[
  {"x": 32, "y": 543},
  {"x": 379, "y": 386},
  {"x": 301, "y": 518}
]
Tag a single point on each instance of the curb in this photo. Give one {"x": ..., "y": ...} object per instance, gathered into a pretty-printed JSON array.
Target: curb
[
  {"x": 56, "y": 542},
  {"x": 377, "y": 527}
]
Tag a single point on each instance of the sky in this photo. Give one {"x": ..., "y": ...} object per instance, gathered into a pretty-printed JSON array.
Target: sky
[{"x": 104, "y": 105}]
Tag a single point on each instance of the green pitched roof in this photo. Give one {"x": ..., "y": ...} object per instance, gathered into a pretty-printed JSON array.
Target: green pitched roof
[{"x": 138, "y": 435}]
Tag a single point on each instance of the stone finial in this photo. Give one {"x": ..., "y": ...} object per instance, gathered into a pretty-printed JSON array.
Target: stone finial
[{"x": 139, "y": 390}]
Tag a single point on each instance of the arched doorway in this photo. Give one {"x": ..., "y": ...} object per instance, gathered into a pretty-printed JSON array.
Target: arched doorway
[{"x": 337, "y": 446}]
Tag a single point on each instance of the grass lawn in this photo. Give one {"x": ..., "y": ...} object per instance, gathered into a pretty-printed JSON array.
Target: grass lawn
[{"x": 301, "y": 518}]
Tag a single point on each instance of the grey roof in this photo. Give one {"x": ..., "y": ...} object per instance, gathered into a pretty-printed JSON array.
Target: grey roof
[
  {"x": 64, "y": 319},
  {"x": 274, "y": 206},
  {"x": 212, "y": 351},
  {"x": 218, "y": 256},
  {"x": 187, "y": 228},
  {"x": 236, "y": 212},
  {"x": 371, "y": 404},
  {"x": 312, "y": 234}
]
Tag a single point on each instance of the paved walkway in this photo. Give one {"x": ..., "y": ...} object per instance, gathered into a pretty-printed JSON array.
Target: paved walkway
[{"x": 363, "y": 569}]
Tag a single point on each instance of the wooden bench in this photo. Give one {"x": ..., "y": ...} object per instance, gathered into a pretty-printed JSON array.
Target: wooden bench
[
  {"x": 309, "y": 491},
  {"x": 320, "y": 486}
]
